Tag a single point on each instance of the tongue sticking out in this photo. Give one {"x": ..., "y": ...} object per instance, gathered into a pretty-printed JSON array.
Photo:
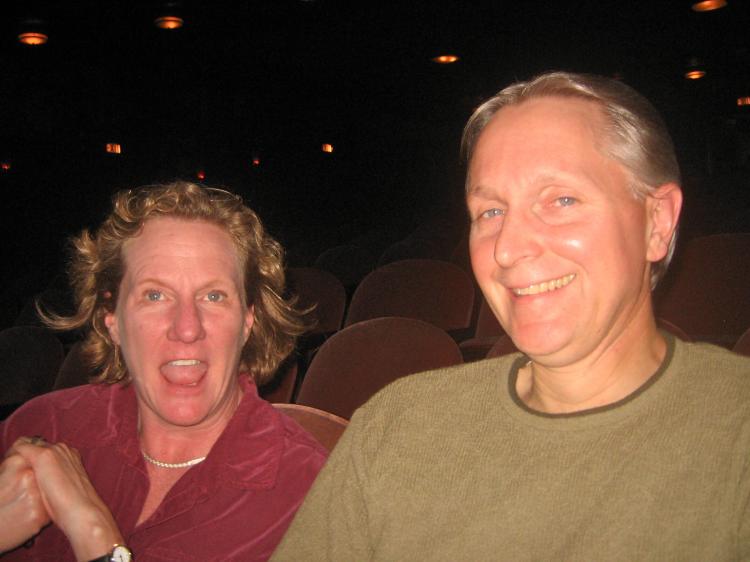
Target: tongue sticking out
[{"x": 184, "y": 371}]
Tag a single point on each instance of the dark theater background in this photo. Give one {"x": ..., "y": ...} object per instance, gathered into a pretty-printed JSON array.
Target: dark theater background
[{"x": 246, "y": 94}]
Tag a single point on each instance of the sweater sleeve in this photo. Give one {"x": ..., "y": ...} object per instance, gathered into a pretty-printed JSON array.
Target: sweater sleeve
[
  {"x": 743, "y": 499},
  {"x": 332, "y": 524}
]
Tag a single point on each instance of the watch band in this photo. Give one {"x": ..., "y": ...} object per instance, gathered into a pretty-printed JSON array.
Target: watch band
[{"x": 119, "y": 553}]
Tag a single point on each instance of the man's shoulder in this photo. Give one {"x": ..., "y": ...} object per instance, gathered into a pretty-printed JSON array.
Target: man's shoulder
[
  {"x": 443, "y": 394},
  {"x": 433, "y": 384},
  {"x": 714, "y": 361},
  {"x": 712, "y": 375}
]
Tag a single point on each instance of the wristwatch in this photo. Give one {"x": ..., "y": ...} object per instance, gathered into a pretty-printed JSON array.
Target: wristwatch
[{"x": 119, "y": 553}]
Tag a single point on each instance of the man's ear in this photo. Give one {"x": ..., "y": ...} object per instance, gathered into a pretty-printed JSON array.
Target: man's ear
[
  {"x": 663, "y": 207},
  {"x": 110, "y": 321}
]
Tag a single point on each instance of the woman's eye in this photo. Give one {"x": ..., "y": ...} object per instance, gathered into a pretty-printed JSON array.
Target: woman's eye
[
  {"x": 488, "y": 214},
  {"x": 154, "y": 296},
  {"x": 215, "y": 296},
  {"x": 566, "y": 201}
]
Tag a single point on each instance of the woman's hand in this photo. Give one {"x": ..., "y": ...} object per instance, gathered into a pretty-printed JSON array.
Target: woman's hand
[
  {"x": 22, "y": 511},
  {"x": 69, "y": 498}
]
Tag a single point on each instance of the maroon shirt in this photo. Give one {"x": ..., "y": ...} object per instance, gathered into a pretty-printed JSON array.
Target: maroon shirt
[{"x": 235, "y": 505}]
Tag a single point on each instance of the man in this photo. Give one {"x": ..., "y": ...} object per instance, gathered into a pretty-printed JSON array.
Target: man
[
  {"x": 172, "y": 455},
  {"x": 606, "y": 439}
]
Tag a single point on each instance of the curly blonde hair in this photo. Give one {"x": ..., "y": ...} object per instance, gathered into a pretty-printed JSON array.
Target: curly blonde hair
[{"x": 97, "y": 268}]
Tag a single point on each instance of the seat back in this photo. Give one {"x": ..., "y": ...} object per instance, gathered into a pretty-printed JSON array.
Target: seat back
[
  {"x": 321, "y": 291},
  {"x": 437, "y": 292},
  {"x": 75, "y": 369},
  {"x": 324, "y": 426},
  {"x": 30, "y": 357},
  {"x": 503, "y": 346},
  {"x": 487, "y": 323},
  {"x": 743, "y": 344},
  {"x": 356, "y": 362},
  {"x": 673, "y": 329},
  {"x": 348, "y": 262},
  {"x": 706, "y": 292},
  {"x": 280, "y": 388}
]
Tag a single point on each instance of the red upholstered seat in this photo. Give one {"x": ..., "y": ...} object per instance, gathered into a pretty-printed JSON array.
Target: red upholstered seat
[
  {"x": 323, "y": 292},
  {"x": 324, "y": 426},
  {"x": 706, "y": 292},
  {"x": 356, "y": 362},
  {"x": 437, "y": 292}
]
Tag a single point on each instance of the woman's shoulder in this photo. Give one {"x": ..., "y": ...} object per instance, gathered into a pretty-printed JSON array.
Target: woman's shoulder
[{"x": 60, "y": 413}]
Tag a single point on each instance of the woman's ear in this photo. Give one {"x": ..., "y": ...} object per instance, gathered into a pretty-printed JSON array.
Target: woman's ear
[
  {"x": 249, "y": 320},
  {"x": 110, "y": 321},
  {"x": 663, "y": 207}
]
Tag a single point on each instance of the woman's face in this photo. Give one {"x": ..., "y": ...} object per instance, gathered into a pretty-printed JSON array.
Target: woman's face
[{"x": 182, "y": 322}]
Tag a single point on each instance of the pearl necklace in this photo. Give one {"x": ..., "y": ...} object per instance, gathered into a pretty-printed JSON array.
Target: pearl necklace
[{"x": 160, "y": 464}]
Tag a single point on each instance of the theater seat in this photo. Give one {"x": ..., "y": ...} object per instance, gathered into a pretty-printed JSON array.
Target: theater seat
[
  {"x": 356, "y": 362},
  {"x": 324, "y": 426}
]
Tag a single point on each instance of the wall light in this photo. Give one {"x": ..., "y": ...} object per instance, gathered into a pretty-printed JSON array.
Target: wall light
[
  {"x": 708, "y": 5},
  {"x": 743, "y": 101},
  {"x": 695, "y": 74},
  {"x": 113, "y": 148},
  {"x": 327, "y": 148},
  {"x": 201, "y": 175},
  {"x": 5, "y": 166}
]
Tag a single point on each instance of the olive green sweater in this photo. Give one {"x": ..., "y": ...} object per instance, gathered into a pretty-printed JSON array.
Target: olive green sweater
[{"x": 450, "y": 465}]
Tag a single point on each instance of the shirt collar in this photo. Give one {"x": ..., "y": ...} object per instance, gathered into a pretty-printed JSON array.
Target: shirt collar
[{"x": 247, "y": 455}]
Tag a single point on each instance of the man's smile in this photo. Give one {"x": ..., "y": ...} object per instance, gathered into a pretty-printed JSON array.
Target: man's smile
[{"x": 544, "y": 286}]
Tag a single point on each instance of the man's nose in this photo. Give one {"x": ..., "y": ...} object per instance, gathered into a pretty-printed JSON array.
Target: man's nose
[
  {"x": 517, "y": 239},
  {"x": 187, "y": 323}
]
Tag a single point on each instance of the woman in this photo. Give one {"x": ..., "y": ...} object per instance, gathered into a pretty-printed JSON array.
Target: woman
[{"x": 171, "y": 455}]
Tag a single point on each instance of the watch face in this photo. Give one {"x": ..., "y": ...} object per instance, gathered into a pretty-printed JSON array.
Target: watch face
[{"x": 121, "y": 554}]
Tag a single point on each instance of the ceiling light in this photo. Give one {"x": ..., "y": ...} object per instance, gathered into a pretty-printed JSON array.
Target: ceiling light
[
  {"x": 33, "y": 38},
  {"x": 695, "y": 69},
  {"x": 708, "y": 5},
  {"x": 445, "y": 59},
  {"x": 169, "y": 22}
]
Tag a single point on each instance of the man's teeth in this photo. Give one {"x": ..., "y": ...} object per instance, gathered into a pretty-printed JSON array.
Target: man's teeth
[
  {"x": 545, "y": 286},
  {"x": 184, "y": 362}
]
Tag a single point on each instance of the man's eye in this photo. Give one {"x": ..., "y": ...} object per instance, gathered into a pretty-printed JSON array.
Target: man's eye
[
  {"x": 488, "y": 214},
  {"x": 566, "y": 201},
  {"x": 154, "y": 296},
  {"x": 215, "y": 296}
]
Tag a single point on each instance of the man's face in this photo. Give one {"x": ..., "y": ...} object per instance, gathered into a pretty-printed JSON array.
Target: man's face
[
  {"x": 181, "y": 322},
  {"x": 559, "y": 244}
]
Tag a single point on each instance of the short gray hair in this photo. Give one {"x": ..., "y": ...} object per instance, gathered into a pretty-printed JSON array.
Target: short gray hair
[{"x": 635, "y": 134}]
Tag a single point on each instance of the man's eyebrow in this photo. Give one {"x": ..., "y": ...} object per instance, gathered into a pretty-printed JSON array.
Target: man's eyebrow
[
  {"x": 479, "y": 190},
  {"x": 484, "y": 192}
]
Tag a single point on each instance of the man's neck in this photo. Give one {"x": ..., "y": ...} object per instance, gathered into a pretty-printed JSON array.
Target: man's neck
[{"x": 603, "y": 377}]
